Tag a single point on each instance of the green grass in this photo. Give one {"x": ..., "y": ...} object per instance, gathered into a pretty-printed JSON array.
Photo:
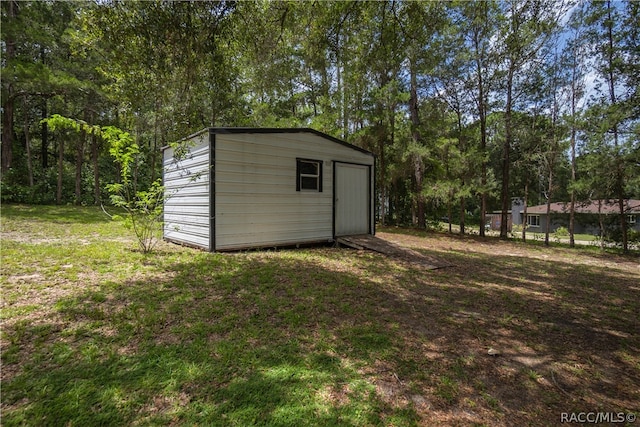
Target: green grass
[
  {"x": 96, "y": 333},
  {"x": 473, "y": 229},
  {"x": 553, "y": 236},
  {"x": 180, "y": 336}
]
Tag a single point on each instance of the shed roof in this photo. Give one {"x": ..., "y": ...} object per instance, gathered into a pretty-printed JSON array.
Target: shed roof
[
  {"x": 239, "y": 130},
  {"x": 608, "y": 207}
]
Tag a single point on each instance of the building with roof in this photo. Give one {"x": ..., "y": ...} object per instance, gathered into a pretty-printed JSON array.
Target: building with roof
[
  {"x": 239, "y": 188},
  {"x": 587, "y": 215}
]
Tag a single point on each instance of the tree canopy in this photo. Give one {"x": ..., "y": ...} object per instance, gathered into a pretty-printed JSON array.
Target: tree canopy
[{"x": 465, "y": 104}]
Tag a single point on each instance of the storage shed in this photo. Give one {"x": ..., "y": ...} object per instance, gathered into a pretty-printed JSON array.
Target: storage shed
[{"x": 239, "y": 188}]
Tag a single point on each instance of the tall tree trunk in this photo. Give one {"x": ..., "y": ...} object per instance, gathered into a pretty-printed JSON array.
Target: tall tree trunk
[
  {"x": 80, "y": 162},
  {"x": 154, "y": 157},
  {"x": 28, "y": 145},
  {"x": 483, "y": 175},
  {"x": 554, "y": 151},
  {"x": 339, "y": 89},
  {"x": 155, "y": 142},
  {"x": 462, "y": 212},
  {"x": 9, "y": 99},
  {"x": 601, "y": 224},
  {"x": 450, "y": 211},
  {"x": 506, "y": 162},
  {"x": 60, "y": 170},
  {"x": 524, "y": 214},
  {"x": 572, "y": 207},
  {"x": 345, "y": 104},
  {"x": 383, "y": 180},
  {"x": 482, "y": 118},
  {"x": 44, "y": 147},
  {"x": 463, "y": 149},
  {"x": 549, "y": 191},
  {"x": 96, "y": 170},
  {"x": 619, "y": 183},
  {"x": 7, "y": 132},
  {"x": 572, "y": 139},
  {"x": 418, "y": 164}
]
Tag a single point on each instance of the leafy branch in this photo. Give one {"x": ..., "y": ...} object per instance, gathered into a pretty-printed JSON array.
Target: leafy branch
[{"x": 144, "y": 208}]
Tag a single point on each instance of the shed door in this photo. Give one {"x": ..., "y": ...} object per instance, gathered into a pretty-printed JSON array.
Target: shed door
[{"x": 351, "y": 199}]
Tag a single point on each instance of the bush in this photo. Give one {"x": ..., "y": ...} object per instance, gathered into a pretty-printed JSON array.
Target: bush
[
  {"x": 434, "y": 225},
  {"x": 144, "y": 209},
  {"x": 561, "y": 232},
  {"x": 633, "y": 237}
]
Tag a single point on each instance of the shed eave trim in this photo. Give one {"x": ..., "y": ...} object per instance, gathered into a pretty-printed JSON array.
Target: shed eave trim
[{"x": 193, "y": 135}]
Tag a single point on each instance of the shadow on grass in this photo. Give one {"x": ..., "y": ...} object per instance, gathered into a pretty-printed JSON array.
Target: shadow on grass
[
  {"x": 592, "y": 249},
  {"x": 332, "y": 337}
]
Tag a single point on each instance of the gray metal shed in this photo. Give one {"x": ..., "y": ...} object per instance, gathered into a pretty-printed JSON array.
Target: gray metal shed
[{"x": 238, "y": 188}]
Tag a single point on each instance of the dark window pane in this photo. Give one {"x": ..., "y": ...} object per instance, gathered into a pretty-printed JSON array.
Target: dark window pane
[
  {"x": 309, "y": 168},
  {"x": 309, "y": 183}
]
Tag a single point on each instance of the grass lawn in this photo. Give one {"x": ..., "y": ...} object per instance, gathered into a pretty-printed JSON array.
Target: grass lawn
[
  {"x": 96, "y": 333},
  {"x": 553, "y": 237}
]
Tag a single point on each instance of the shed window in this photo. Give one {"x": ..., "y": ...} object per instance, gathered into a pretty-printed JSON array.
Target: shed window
[
  {"x": 631, "y": 219},
  {"x": 308, "y": 175},
  {"x": 533, "y": 220}
]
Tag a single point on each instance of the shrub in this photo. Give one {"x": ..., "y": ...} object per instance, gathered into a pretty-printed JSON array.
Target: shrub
[
  {"x": 143, "y": 208},
  {"x": 562, "y": 232}
]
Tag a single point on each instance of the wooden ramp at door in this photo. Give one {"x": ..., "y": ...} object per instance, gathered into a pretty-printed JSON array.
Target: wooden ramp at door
[{"x": 367, "y": 241}]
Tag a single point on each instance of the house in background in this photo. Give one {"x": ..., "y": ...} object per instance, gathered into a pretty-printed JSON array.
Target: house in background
[
  {"x": 238, "y": 188},
  {"x": 586, "y": 216},
  {"x": 494, "y": 220}
]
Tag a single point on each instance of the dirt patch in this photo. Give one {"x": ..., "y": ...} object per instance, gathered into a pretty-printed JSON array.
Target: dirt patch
[{"x": 36, "y": 239}]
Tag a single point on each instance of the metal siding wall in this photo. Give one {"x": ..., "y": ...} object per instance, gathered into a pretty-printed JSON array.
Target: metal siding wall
[
  {"x": 186, "y": 181},
  {"x": 256, "y": 199}
]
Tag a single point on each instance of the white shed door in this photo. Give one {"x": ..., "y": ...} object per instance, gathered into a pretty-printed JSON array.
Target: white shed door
[{"x": 351, "y": 199}]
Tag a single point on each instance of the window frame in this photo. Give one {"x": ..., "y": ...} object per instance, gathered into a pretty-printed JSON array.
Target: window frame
[
  {"x": 300, "y": 176},
  {"x": 531, "y": 223},
  {"x": 632, "y": 218}
]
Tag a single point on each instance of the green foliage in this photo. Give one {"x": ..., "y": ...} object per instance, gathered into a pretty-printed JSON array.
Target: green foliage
[
  {"x": 423, "y": 85},
  {"x": 143, "y": 208},
  {"x": 14, "y": 188},
  {"x": 57, "y": 123},
  {"x": 143, "y": 211},
  {"x": 561, "y": 232}
]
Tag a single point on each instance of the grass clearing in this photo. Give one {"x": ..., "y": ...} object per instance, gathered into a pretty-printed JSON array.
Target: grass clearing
[{"x": 95, "y": 332}]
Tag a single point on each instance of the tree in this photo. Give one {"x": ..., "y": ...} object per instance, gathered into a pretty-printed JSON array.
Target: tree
[
  {"x": 165, "y": 62},
  {"x": 573, "y": 58},
  {"x": 143, "y": 208},
  {"x": 423, "y": 53},
  {"x": 447, "y": 95},
  {"x": 479, "y": 25},
  {"x": 526, "y": 28},
  {"x": 9, "y": 27},
  {"x": 615, "y": 55}
]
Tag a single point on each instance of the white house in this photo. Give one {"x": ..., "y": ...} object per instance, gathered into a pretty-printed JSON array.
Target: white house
[{"x": 238, "y": 188}]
